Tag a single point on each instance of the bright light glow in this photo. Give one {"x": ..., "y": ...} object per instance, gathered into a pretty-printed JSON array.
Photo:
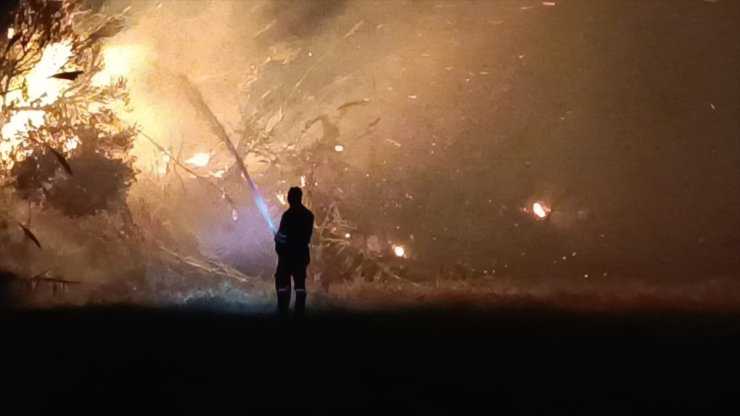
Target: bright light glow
[
  {"x": 70, "y": 145},
  {"x": 347, "y": 235},
  {"x": 11, "y": 33},
  {"x": 339, "y": 148},
  {"x": 40, "y": 84},
  {"x": 162, "y": 166},
  {"x": 117, "y": 62},
  {"x": 399, "y": 250},
  {"x": 94, "y": 107},
  {"x": 19, "y": 124},
  {"x": 42, "y": 90},
  {"x": 540, "y": 210},
  {"x": 303, "y": 181},
  {"x": 199, "y": 159}
]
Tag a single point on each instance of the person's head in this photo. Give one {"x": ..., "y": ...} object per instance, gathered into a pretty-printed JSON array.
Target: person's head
[{"x": 294, "y": 196}]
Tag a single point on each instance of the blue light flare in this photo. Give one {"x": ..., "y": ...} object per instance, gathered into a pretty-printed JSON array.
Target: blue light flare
[{"x": 261, "y": 205}]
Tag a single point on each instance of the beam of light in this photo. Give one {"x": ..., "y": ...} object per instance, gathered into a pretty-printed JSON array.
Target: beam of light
[
  {"x": 540, "y": 210},
  {"x": 262, "y": 207},
  {"x": 399, "y": 250},
  {"x": 199, "y": 159}
]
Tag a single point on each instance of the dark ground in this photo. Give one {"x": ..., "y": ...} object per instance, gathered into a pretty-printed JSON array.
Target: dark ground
[{"x": 117, "y": 360}]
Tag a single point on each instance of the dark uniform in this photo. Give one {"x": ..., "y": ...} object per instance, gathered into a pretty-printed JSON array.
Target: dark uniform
[{"x": 291, "y": 245}]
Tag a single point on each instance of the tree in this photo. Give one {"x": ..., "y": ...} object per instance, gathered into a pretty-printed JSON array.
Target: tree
[{"x": 58, "y": 109}]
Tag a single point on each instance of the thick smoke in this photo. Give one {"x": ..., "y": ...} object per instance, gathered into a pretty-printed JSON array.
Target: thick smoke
[
  {"x": 619, "y": 116},
  {"x": 454, "y": 117}
]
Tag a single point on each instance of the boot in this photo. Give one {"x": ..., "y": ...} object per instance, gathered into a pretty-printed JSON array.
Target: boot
[{"x": 283, "y": 303}]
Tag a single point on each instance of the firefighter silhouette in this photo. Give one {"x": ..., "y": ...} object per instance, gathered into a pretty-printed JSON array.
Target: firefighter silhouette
[{"x": 291, "y": 245}]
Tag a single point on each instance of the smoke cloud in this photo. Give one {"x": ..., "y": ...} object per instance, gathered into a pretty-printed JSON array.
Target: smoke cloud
[{"x": 453, "y": 117}]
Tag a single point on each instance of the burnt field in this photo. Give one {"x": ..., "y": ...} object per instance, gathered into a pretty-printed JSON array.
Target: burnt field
[{"x": 420, "y": 360}]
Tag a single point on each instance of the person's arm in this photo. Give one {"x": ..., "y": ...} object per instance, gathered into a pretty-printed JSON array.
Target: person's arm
[{"x": 281, "y": 238}]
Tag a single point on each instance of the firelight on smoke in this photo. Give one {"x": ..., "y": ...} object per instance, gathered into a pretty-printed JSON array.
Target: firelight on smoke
[{"x": 117, "y": 61}]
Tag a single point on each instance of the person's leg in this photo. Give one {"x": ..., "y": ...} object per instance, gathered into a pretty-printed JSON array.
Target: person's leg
[
  {"x": 299, "y": 278},
  {"x": 282, "y": 286}
]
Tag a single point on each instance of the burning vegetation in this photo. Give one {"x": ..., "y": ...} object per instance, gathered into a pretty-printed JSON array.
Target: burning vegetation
[
  {"x": 146, "y": 148},
  {"x": 67, "y": 168},
  {"x": 63, "y": 147},
  {"x": 58, "y": 110}
]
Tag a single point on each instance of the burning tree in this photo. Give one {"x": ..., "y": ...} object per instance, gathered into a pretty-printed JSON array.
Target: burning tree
[
  {"x": 61, "y": 144},
  {"x": 58, "y": 102}
]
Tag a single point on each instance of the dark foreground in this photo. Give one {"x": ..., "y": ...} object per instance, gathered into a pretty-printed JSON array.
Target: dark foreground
[{"x": 117, "y": 360}]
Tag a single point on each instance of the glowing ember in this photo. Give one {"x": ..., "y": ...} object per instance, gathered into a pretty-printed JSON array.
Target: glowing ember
[
  {"x": 540, "y": 210},
  {"x": 199, "y": 159},
  {"x": 399, "y": 250}
]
